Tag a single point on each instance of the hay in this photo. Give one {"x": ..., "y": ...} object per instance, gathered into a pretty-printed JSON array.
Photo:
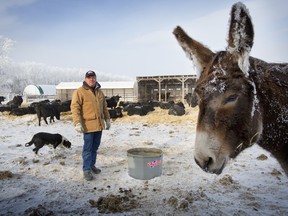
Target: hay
[{"x": 160, "y": 116}]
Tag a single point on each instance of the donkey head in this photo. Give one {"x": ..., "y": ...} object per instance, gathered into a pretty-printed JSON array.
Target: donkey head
[{"x": 229, "y": 114}]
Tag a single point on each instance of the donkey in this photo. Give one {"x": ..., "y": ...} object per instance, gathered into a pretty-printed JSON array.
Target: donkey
[{"x": 242, "y": 100}]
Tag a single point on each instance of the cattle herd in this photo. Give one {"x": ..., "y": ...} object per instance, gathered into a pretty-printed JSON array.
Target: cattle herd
[
  {"x": 52, "y": 109},
  {"x": 43, "y": 109},
  {"x": 116, "y": 107}
]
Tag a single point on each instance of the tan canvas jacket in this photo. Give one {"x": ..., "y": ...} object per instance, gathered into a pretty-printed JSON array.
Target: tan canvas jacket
[{"x": 89, "y": 109}]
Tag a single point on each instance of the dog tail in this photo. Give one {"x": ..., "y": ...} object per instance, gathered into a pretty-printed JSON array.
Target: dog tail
[{"x": 29, "y": 144}]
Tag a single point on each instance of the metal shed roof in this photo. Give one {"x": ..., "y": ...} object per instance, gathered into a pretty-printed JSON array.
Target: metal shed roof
[{"x": 40, "y": 90}]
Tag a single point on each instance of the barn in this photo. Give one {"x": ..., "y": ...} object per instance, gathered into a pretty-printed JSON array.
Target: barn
[
  {"x": 165, "y": 88},
  {"x": 127, "y": 90},
  {"x": 161, "y": 88},
  {"x": 39, "y": 92}
]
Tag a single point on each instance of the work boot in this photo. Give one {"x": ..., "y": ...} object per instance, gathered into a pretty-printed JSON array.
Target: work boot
[
  {"x": 88, "y": 176},
  {"x": 95, "y": 170}
]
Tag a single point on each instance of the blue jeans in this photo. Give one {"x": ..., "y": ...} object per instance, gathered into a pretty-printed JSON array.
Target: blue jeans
[{"x": 90, "y": 147}]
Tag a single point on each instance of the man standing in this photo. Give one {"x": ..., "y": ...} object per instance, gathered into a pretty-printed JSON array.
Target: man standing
[{"x": 90, "y": 113}]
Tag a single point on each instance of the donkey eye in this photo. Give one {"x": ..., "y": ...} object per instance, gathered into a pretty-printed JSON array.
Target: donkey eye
[{"x": 231, "y": 98}]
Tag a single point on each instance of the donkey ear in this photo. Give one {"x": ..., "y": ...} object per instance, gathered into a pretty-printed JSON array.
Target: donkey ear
[
  {"x": 197, "y": 52},
  {"x": 241, "y": 34}
]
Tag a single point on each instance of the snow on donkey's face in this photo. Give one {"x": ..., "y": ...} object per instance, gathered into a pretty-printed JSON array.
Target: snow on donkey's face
[{"x": 233, "y": 94}]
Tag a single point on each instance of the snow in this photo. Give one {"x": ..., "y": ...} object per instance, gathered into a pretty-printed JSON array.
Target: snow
[
  {"x": 69, "y": 85},
  {"x": 251, "y": 184}
]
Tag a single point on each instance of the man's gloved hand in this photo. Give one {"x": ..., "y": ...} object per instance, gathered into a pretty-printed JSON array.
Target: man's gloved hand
[
  {"x": 79, "y": 128},
  {"x": 108, "y": 124}
]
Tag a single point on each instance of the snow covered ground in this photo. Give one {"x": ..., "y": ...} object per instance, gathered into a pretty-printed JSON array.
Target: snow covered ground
[{"x": 252, "y": 184}]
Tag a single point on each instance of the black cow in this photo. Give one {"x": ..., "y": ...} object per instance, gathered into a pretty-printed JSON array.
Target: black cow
[
  {"x": 124, "y": 103},
  {"x": 112, "y": 101},
  {"x": 46, "y": 110},
  {"x": 2, "y": 98},
  {"x": 154, "y": 103},
  {"x": 148, "y": 107},
  {"x": 166, "y": 105},
  {"x": 22, "y": 111},
  {"x": 64, "y": 106},
  {"x": 151, "y": 104},
  {"x": 127, "y": 104},
  {"x": 116, "y": 113},
  {"x": 136, "y": 110},
  {"x": 17, "y": 101},
  {"x": 177, "y": 109},
  {"x": 34, "y": 104},
  {"x": 7, "y": 108},
  {"x": 191, "y": 99}
]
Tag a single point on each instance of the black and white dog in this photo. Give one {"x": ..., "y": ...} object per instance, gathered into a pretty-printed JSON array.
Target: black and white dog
[{"x": 42, "y": 138}]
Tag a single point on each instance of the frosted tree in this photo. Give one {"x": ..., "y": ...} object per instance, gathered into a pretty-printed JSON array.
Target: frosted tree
[
  {"x": 18, "y": 75},
  {"x": 6, "y": 44}
]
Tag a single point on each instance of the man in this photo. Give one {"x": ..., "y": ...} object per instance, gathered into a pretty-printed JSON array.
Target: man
[{"x": 89, "y": 112}]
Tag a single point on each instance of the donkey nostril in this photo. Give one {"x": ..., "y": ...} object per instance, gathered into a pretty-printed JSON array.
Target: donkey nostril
[
  {"x": 204, "y": 165},
  {"x": 207, "y": 163}
]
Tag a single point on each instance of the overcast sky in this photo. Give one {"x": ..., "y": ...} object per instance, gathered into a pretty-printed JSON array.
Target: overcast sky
[{"x": 133, "y": 37}]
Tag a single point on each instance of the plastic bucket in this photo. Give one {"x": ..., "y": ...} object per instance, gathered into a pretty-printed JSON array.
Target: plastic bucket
[{"x": 144, "y": 163}]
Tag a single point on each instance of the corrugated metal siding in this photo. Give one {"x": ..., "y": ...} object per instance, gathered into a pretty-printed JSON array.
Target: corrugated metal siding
[{"x": 126, "y": 90}]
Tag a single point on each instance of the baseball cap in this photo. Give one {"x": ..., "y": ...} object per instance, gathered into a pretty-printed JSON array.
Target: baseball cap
[{"x": 90, "y": 73}]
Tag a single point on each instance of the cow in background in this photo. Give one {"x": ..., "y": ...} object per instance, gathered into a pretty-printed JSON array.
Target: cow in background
[
  {"x": 112, "y": 101},
  {"x": 154, "y": 103},
  {"x": 177, "y": 109},
  {"x": 136, "y": 110},
  {"x": 46, "y": 109},
  {"x": 12, "y": 104},
  {"x": 64, "y": 106},
  {"x": 125, "y": 104},
  {"x": 22, "y": 111},
  {"x": 191, "y": 99},
  {"x": 116, "y": 113},
  {"x": 166, "y": 105},
  {"x": 16, "y": 101},
  {"x": 2, "y": 98},
  {"x": 5, "y": 108}
]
